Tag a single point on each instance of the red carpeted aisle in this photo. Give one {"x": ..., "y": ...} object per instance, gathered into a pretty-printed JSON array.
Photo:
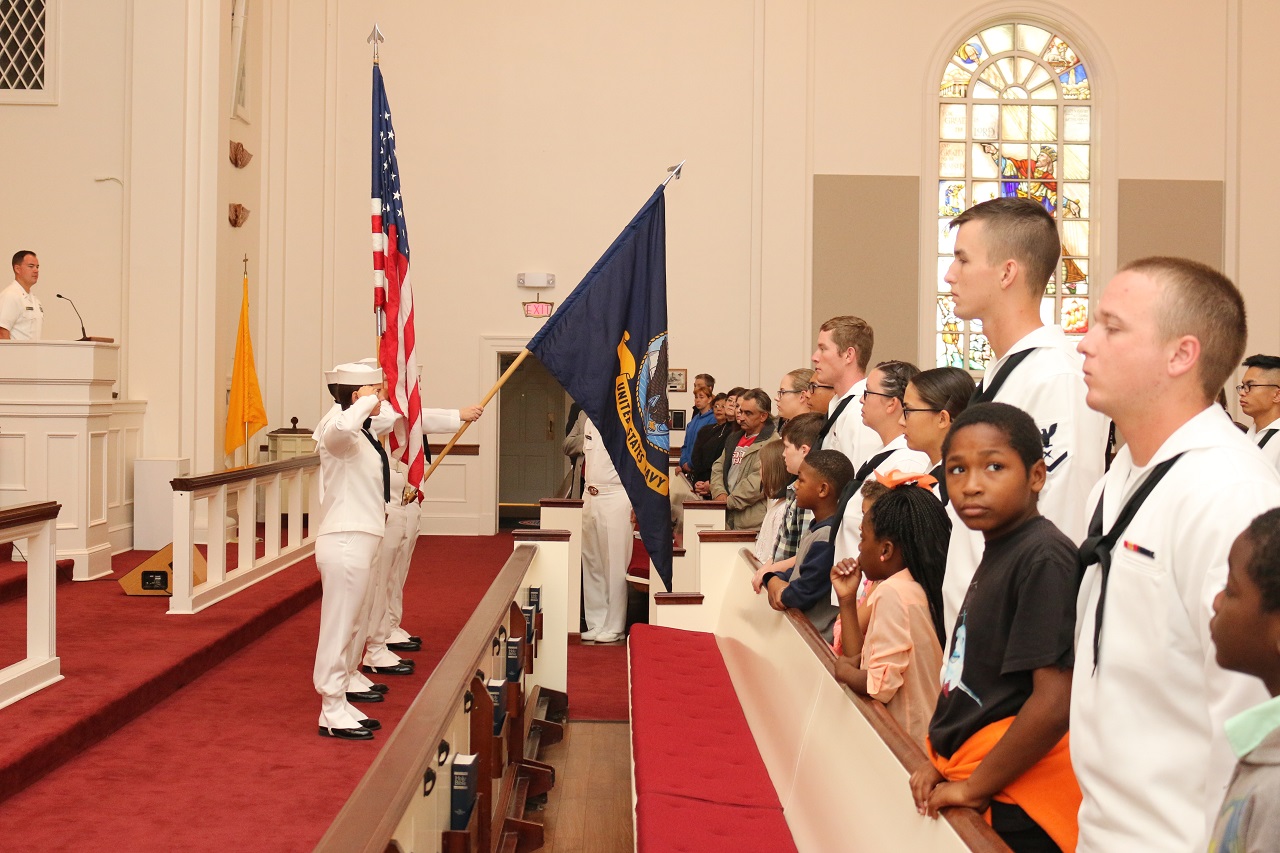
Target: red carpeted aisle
[
  {"x": 598, "y": 682},
  {"x": 233, "y": 761}
]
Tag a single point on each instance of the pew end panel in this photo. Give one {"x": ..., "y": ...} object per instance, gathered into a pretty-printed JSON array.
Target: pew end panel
[
  {"x": 566, "y": 514},
  {"x": 41, "y": 666}
]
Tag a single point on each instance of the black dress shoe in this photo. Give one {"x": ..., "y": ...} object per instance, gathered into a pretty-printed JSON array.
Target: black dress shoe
[
  {"x": 402, "y": 668},
  {"x": 370, "y": 724},
  {"x": 365, "y": 696},
  {"x": 410, "y": 646},
  {"x": 379, "y": 688},
  {"x": 346, "y": 734}
]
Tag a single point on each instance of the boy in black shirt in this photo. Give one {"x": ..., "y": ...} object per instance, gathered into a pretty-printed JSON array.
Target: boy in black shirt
[{"x": 998, "y": 738}]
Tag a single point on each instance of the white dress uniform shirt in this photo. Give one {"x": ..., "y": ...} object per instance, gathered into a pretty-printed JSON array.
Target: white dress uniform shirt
[
  {"x": 1147, "y": 740},
  {"x": 350, "y": 498},
  {"x": 441, "y": 420},
  {"x": 901, "y": 458},
  {"x": 21, "y": 313},
  {"x": 1272, "y": 448},
  {"x": 850, "y": 435},
  {"x": 1049, "y": 386}
]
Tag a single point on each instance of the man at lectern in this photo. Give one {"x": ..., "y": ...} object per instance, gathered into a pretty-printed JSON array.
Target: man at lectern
[{"x": 21, "y": 314}]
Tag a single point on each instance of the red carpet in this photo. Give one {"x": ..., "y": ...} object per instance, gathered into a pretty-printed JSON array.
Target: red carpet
[
  {"x": 233, "y": 762},
  {"x": 598, "y": 682}
]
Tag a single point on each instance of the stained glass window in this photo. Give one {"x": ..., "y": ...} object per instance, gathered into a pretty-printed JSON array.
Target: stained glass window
[{"x": 1015, "y": 120}]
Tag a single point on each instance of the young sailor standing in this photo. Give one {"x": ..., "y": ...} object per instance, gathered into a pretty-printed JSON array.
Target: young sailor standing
[
  {"x": 1148, "y": 700},
  {"x": 1260, "y": 400},
  {"x": 354, "y": 482},
  {"x": 1006, "y": 250}
]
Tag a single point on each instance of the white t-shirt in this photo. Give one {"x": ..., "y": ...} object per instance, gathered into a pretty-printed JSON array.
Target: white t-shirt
[
  {"x": 1049, "y": 386},
  {"x": 850, "y": 435},
  {"x": 1147, "y": 740},
  {"x": 21, "y": 313}
]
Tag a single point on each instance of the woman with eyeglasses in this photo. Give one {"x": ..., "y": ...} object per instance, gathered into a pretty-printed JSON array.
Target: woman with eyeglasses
[{"x": 932, "y": 401}]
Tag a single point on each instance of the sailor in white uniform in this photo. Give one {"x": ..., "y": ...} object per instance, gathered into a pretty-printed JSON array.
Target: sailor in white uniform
[
  {"x": 607, "y": 542},
  {"x": 354, "y": 479},
  {"x": 1260, "y": 399}
]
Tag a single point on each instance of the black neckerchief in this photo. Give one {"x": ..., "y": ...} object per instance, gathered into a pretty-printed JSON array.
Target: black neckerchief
[
  {"x": 382, "y": 454},
  {"x": 851, "y": 488},
  {"x": 1097, "y": 548},
  {"x": 831, "y": 421},
  {"x": 982, "y": 394}
]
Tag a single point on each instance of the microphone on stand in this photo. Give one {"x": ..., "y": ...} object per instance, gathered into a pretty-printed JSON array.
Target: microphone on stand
[{"x": 84, "y": 336}]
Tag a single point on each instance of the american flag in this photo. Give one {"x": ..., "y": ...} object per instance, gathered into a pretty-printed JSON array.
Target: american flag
[{"x": 392, "y": 292}]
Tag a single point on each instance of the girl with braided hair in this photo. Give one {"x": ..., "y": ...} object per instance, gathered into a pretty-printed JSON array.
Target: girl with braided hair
[{"x": 896, "y": 655}]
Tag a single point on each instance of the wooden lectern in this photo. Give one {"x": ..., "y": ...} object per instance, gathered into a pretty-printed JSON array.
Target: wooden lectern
[{"x": 63, "y": 437}]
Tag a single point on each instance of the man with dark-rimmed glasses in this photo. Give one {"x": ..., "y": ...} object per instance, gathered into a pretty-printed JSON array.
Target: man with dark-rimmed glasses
[{"x": 1260, "y": 399}]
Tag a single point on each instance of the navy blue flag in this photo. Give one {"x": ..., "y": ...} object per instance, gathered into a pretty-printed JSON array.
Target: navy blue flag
[{"x": 607, "y": 345}]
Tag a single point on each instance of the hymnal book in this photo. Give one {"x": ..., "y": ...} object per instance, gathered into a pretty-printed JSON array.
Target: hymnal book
[
  {"x": 463, "y": 791},
  {"x": 515, "y": 658},
  {"x": 529, "y": 613},
  {"x": 498, "y": 693},
  {"x": 535, "y": 597}
]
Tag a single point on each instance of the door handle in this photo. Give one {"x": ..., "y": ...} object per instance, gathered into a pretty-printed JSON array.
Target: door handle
[{"x": 551, "y": 427}]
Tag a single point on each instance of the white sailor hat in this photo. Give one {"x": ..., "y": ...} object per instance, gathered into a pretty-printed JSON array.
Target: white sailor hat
[
  {"x": 357, "y": 374},
  {"x": 330, "y": 377}
]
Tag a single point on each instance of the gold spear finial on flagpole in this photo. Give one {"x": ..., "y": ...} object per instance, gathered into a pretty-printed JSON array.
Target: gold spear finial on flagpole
[
  {"x": 675, "y": 172},
  {"x": 374, "y": 38}
]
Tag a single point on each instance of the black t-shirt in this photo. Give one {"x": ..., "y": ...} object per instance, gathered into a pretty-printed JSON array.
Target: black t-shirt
[{"x": 1019, "y": 615}]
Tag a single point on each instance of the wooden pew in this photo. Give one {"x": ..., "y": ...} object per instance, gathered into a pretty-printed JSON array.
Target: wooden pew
[
  {"x": 403, "y": 801},
  {"x": 839, "y": 763},
  {"x": 40, "y": 667}
]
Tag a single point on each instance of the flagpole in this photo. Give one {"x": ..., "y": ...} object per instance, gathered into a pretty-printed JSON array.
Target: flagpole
[
  {"x": 246, "y": 424},
  {"x": 506, "y": 374}
]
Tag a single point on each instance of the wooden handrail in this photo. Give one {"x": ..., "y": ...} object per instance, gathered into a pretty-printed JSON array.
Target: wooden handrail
[
  {"x": 975, "y": 832},
  {"x": 243, "y": 473},
  {"x": 373, "y": 811},
  {"x": 16, "y": 516},
  {"x": 728, "y": 535}
]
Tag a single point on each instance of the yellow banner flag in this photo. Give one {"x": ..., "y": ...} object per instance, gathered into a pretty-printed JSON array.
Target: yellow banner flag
[{"x": 245, "y": 414}]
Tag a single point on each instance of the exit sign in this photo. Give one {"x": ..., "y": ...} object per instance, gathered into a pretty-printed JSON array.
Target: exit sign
[{"x": 538, "y": 310}]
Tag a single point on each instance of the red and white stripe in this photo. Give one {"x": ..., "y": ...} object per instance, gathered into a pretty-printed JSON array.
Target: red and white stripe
[{"x": 393, "y": 295}]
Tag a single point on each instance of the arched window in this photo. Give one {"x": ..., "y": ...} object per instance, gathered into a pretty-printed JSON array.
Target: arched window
[{"x": 1015, "y": 119}]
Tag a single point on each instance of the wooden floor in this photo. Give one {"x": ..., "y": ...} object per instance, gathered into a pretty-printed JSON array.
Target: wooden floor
[{"x": 590, "y": 806}]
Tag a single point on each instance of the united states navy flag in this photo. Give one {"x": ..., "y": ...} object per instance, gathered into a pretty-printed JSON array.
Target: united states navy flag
[{"x": 607, "y": 345}]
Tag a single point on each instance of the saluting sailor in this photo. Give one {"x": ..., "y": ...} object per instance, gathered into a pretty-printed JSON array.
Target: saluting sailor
[{"x": 354, "y": 485}]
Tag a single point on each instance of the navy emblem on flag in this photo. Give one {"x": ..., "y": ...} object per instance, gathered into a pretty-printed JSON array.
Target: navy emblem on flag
[{"x": 607, "y": 345}]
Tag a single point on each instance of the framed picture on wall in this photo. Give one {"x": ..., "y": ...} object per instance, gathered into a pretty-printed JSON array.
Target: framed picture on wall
[
  {"x": 677, "y": 379},
  {"x": 677, "y": 419},
  {"x": 239, "y": 86}
]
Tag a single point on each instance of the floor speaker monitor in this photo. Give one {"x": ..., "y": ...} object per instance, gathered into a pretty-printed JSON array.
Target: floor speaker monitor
[{"x": 155, "y": 575}]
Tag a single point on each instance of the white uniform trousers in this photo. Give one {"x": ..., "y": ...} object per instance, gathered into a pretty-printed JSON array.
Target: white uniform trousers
[
  {"x": 376, "y": 616},
  {"x": 607, "y": 543},
  {"x": 345, "y": 560},
  {"x": 400, "y": 572}
]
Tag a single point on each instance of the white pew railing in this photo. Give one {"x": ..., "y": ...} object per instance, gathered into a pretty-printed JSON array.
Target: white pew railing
[
  {"x": 35, "y": 522},
  {"x": 402, "y": 803},
  {"x": 293, "y": 482},
  {"x": 839, "y": 762}
]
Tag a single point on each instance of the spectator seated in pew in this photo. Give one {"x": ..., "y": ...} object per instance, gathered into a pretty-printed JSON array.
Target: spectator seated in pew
[
  {"x": 773, "y": 482},
  {"x": 710, "y": 443},
  {"x": 735, "y": 478},
  {"x": 903, "y": 548},
  {"x": 998, "y": 739},
  {"x": 807, "y": 587},
  {"x": 798, "y": 436}
]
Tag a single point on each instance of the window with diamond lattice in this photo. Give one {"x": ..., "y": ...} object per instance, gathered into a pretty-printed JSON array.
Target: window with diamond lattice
[
  {"x": 1015, "y": 120},
  {"x": 27, "y": 67}
]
